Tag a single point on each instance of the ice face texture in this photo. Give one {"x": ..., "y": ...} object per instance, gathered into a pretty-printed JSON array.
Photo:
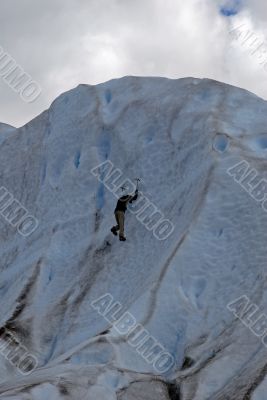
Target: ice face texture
[{"x": 181, "y": 137}]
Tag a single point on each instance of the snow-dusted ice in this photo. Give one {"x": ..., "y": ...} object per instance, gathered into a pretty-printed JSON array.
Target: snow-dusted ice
[{"x": 181, "y": 137}]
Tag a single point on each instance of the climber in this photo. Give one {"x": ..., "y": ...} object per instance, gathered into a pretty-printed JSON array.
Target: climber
[{"x": 120, "y": 213}]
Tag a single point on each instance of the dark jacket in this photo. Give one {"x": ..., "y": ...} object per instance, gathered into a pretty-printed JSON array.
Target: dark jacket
[{"x": 124, "y": 200}]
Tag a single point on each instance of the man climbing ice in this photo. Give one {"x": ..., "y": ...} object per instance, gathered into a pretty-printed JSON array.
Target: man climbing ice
[{"x": 120, "y": 213}]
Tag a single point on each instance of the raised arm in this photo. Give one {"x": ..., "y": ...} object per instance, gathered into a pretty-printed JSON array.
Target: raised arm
[{"x": 133, "y": 198}]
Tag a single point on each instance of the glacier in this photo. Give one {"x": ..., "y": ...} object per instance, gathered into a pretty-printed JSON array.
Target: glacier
[{"x": 181, "y": 137}]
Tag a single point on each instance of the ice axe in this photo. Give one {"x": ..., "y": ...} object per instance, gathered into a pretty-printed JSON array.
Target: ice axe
[
  {"x": 123, "y": 188},
  {"x": 137, "y": 182}
]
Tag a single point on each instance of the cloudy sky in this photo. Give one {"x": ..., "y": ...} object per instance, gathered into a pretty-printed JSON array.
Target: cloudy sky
[{"x": 62, "y": 43}]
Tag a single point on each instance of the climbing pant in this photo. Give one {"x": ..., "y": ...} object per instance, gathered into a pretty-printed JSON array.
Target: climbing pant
[{"x": 119, "y": 215}]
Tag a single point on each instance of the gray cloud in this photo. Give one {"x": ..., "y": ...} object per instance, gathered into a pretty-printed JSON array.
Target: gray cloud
[{"x": 62, "y": 43}]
